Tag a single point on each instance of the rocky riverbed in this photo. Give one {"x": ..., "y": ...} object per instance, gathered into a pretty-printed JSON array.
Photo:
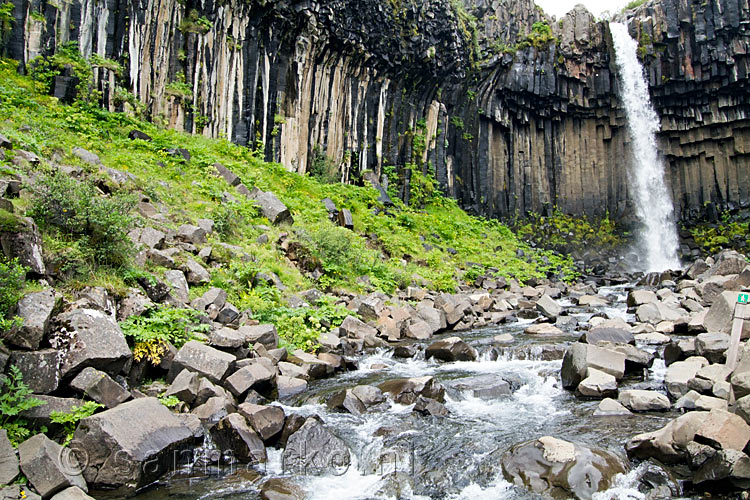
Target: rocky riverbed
[{"x": 610, "y": 388}]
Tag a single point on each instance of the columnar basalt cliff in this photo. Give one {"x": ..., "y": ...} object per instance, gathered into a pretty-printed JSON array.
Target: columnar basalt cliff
[{"x": 513, "y": 119}]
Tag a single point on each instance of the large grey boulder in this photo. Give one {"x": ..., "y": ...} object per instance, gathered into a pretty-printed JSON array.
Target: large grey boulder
[
  {"x": 712, "y": 346},
  {"x": 597, "y": 384},
  {"x": 615, "y": 335},
  {"x": 639, "y": 297},
  {"x": 185, "y": 386},
  {"x": 40, "y": 369},
  {"x": 271, "y": 207},
  {"x": 90, "y": 338},
  {"x": 26, "y": 246},
  {"x": 49, "y": 467},
  {"x": 724, "y": 430},
  {"x": 548, "y": 464},
  {"x": 732, "y": 465},
  {"x": 580, "y": 357},
  {"x": 233, "y": 434},
  {"x": 72, "y": 493},
  {"x": 42, "y": 415},
  {"x": 267, "y": 421},
  {"x": 131, "y": 445},
  {"x": 668, "y": 444},
  {"x": 188, "y": 233},
  {"x": 179, "y": 285},
  {"x": 251, "y": 376},
  {"x": 205, "y": 360},
  {"x": 720, "y": 316},
  {"x": 35, "y": 310},
  {"x": 100, "y": 387},
  {"x": 265, "y": 334},
  {"x": 548, "y": 307},
  {"x": 611, "y": 408},
  {"x": 8, "y": 459},
  {"x": 680, "y": 373},
  {"x": 195, "y": 273},
  {"x": 451, "y": 349},
  {"x": 407, "y": 390},
  {"x": 354, "y": 328},
  {"x": 288, "y": 387},
  {"x": 315, "y": 450}
]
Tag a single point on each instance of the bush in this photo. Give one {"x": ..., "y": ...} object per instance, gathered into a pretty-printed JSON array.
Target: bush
[
  {"x": 12, "y": 279},
  {"x": 158, "y": 326},
  {"x": 100, "y": 223},
  {"x": 14, "y": 399}
]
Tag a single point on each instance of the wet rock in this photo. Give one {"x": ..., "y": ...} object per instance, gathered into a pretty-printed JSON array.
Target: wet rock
[
  {"x": 548, "y": 463},
  {"x": 116, "y": 451},
  {"x": 723, "y": 465},
  {"x": 100, "y": 387},
  {"x": 426, "y": 406},
  {"x": 205, "y": 360},
  {"x": 252, "y": 376},
  {"x": 679, "y": 374},
  {"x": 8, "y": 459},
  {"x": 35, "y": 311},
  {"x": 49, "y": 467},
  {"x": 39, "y": 369},
  {"x": 580, "y": 357},
  {"x": 280, "y": 489},
  {"x": 640, "y": 400},
  {"x": 610, "y": 408},
  {"x": 406, "y": 391},
  {"x": 597, "y": 384},
  {"x": 233, "y": 434},
  {"x": 315, "y": 450},
  {"x": 668, "y": 444},
  {"x": 90, "y": 338},
  {"x": 679, "y": 350},
  {"x": 345, "y": 400},
  {"x": 723, "y": 430},
  {"x": 544, "y": 330},
  {"x": 214, "y": 409},
  {"x": 369, "y": 395},
  {"x": 72, "y": 493},
  {"x": 290, "y": 386},
  {"x": 267, "y": 421},
  {"x": 354, "y": 328},
  {"x": 488, "y": 387},
  {"x": 639, "y": 297},
  {"x": 451, "y": 349},
  {"x": 636, "y": 360}
]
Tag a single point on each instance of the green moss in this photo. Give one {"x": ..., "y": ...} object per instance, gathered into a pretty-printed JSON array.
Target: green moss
[{"x": 9, "y": 222}]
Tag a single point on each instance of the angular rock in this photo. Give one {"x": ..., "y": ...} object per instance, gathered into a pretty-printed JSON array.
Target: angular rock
[
  {"x": 39, "y": 369},
  {"x": 263, "y": 334},
  {"x": 91, "y": 338},
  {"x": 233, "y": 434},
  {"x": 8, "y": 459},
  {"x": 712, "y": 346},
  {"x": 597, "y": 384},
  {"x": 426, "y": 406},
  {"x": 345, "y": 400},
  {"x": 451, "y": 349},
  {"x": 668, "y": 444},
  {"x": 195, "y": 273},
  {"x": 290, "y": 386},
  {"x": 244, "y": 379},
  {"x": 41, "y": 415},
  {"x": 314, "y": 450},
  {"x": 271, "y": 207},
  {"x": 614, "y": 335},
  {"x": 723, "y": 430},
  {"x": 610, "y": 408},
  {"x": 639, "y": 297},
  {"x": 280, "y": 489},
  {"x": 406, "y": 391},
  {"x": 178, "y": 284},
  {"x": 100, "y": 387},
  {"x": 267, "y": 421},
  {"x": 184, "y": 387},
  {"x": 26, "y": 246},
  {"x": 544, "y": 330},
  {"x": 679, "y": 374},
  {"x": 548, "y": 307},
  {"x": 723, "y": 465},
  {"x": 354, "y": 328},
  {"x": 580, "y": 357},
  {"x": 229, "y": 176},
  {"x": 72, "y": 493},
  {"x": 205, "y": 360},
  {"x": 49, "y": 467},
  {"x": 214, "y": 409},
  {"x": 188, "y": 233},
  {"x": 719, "y": 316},
  {"x": 35, "y": 311},
  {"x": 547, "y": 464},
  {"x": 116, "y": 451},
  {"x": 639, "y": 400},
  {"x": 369, "y": 395}
]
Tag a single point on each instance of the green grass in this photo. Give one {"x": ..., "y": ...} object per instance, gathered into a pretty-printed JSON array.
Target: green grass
[{"x": 430, "y": 246}]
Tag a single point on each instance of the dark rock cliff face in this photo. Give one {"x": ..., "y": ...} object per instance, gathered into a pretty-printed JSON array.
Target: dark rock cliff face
[{"x": 511, "y": 123}]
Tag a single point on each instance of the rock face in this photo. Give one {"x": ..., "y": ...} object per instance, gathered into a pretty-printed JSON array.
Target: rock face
[
  {"x": 314, "y": 450},
  {"x": 548, "y": 464},
  {"x": 48, "y": 466},
  {"x": 131, "y": 445},
  {"x": 543, "y": 128}
]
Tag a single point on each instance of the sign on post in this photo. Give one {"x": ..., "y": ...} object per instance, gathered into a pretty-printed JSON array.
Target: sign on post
[{"x": 743, "y": 298}]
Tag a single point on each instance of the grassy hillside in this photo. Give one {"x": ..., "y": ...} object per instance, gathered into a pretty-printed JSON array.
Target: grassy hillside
[{"x": 436, "y": 246}]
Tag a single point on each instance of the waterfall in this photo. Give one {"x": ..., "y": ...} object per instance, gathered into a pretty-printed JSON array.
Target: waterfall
[{"x": 654, "y": 208}]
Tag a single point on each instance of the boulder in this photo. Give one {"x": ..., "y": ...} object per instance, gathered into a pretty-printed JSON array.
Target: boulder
[
  {"x": 451, "y": 349},
  {"x": 8, "y": 459},
  {"x": 345, "y": 400},
  {"x": 252, "y": 376},
  {"x": 271, "y": 207},
  {"x": 185, "y": 387},
  {"x": 712, "y": 346},
  {"x": 178, "y": 284},
  {"x": 131, "y": 445},
  {"x": 100, "y": 387},
  {"x": 668, "y": 444},
  {"x": 205, "y": 360},
  {"x": 580, "y": 357},
  {"x": 230, "y": 177},
  {"x": 214, "y": 409},
  {"x": 369, "y": 395},
  {"x": 636, "y": 360},
  {"x": 679, "y": 350},
  {"x": 280, "y": 489},
  {"x": 639, "y": 400},
  {"x": 42, "y": 415},
  {"x": 72, "y": 493},
  {"x": 195, "y": 273},
  {"x": 639, "y": 297},
  {"x": 742, "y": 408},
  {"x": 592, "y": 301},
  {"x": 610, "y": 408},
  {"x": 488, "y": 387},
  {"x": 26, "y": 246},
  {"x": 719, "y": 317},
  {"x": 723, "y": 465},
  {"x": 548, "y": 307},
  {"x": 597, "y": 384},
  {"x": 419, "y": 330},
  {"x": 544, "y": 330},
  {"x": 614, "y": 335},
  {"x": 233, "y": 434},
  {"x": 354, "y": 328},
  {"x": 49, "y": 467},
  {"x": 194, "y": 235},
  {"x": 90, "y": 338},
  {"x": 679, "y": 374},
  {"x": 723, "y": 430},
  {"x": 267, "y": 421},
  {"x": 426, "y": 406},
  {"x": 39, "y": 369},
  {"x": 405, "y": 391},
  {"x": 135, "y": 303},
  {"x": 264, "y": 334},
  {"x": 547, "y": 464},
  {"x": 35, "y": 311},
  {"x": 289, "y": 386},
  {"x": 315, "y": 450}
]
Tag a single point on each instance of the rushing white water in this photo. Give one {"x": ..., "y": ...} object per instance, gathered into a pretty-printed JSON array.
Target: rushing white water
[{"x": 653, "y": 201}]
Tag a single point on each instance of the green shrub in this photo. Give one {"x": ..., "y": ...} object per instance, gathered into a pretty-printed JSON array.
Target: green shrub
[
  {"x": 12, "y": 280},
  {"x": 15, "y": 398},
  {"x": 323, "y": 168},
  {"x": 169, "y": 401},
  {"x": 69, "y": 420},
  {"x": 45, "y": 69},
  {"x": 151, "y": 332},
  {"x": 100, "y": 223}
]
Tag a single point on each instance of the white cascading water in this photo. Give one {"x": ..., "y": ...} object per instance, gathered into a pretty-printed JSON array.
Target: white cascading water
[{"x": 653, "y": 201}]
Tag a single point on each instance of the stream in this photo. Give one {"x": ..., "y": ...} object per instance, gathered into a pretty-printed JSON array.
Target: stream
[{"x": 397, "y": 453}]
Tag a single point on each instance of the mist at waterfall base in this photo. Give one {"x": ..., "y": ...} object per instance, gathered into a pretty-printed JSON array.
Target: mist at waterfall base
[{"x": 657, "y": 239}]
